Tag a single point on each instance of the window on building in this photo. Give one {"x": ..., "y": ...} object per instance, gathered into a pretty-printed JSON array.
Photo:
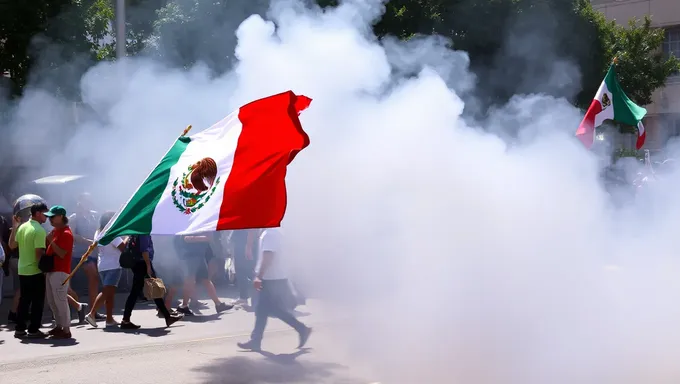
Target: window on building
[{"x": 671, "y": 43}]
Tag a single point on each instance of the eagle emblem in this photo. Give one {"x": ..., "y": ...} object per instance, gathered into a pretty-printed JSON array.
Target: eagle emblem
[
  {"x": 194, "y": 188},
  {"x": 606, "y": 102}
]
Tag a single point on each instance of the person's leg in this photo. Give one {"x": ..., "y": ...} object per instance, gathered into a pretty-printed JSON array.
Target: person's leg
[
  {"x": 14, "y": 272},
  {"x": 73, "y": 295},
  {"x": 170, "y": 296},
  {"x": 49, "y": 296},
  {"x": 24, "y": 304},
  {"x": 242, "y": 278},
  {"x": 110, "y": 286},
  {"x": 60, "y": 298},
  {"x": 109, "y": 296},
  {"x": 189, "y": 281},
  {"x": 139, "y": 271},
  {"x": 160, "y": 304},
  {"x": 262, "y": 313},
  {"x": 279, "y": 307},
  {"x": 92, "y": 281},
  {"x": 37, "y": 303}
]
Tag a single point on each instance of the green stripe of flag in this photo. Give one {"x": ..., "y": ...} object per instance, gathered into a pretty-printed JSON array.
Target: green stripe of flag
[{"x": 137, "y": 215}]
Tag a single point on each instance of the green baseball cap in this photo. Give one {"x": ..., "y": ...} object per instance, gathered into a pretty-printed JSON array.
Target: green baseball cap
[{"x": 57, "y": 210}]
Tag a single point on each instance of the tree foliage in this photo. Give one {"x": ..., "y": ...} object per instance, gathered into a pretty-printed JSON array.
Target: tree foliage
[
  {"x": 50, "y": 38},
  {"x": 513, "y": 45}
]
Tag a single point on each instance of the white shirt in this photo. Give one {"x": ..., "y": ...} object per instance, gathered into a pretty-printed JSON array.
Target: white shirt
[
  {"x": 109, "y": 255},
  {"x": 271, "y": 241},
  {"x": 2, "y": 256}
]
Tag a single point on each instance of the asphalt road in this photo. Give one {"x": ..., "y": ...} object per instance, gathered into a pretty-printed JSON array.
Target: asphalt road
[{"x": 201, "y": 349}]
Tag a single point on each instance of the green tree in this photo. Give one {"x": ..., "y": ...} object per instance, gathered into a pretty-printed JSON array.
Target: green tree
[
  {"x": 485, "y": 29},
  {"x": 51, "y": 40},
  {"x": 188, "y": 31}
]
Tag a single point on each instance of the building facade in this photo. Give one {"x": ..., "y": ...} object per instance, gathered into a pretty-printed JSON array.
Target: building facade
[{"x": 663, "y": 119}]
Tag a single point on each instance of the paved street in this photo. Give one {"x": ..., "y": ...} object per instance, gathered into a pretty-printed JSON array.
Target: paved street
[{"x": 201, "y": 349}]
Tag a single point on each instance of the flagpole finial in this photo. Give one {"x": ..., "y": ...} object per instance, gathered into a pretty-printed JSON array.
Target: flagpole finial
[
  {"x": 615, "y": 60},
  {"x": 186, "y": 130}
]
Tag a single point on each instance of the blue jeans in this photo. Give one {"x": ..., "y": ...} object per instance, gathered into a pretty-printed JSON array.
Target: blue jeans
[
  {"x": 271, "y": 302},
  {"x": 111, "y": 277}
]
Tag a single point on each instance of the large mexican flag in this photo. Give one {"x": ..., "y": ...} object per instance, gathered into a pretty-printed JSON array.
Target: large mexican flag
[
  {"x": 229, "y": 176},
  {"x": 611, "y": 103}
]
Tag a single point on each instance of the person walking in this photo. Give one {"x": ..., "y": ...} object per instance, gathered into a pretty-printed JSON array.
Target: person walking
[
  {"x": 60, "y": 248},
  {"x": 244, "y": 243},
  {"x": 143, "y": 268},
  {"x": 30, "y": 238},
  {"x": 84, "y": 224},
  {"x": 108, "y": 257},
  {"x": 193, "y": 250},
  {"x": 273, "y": 290}
]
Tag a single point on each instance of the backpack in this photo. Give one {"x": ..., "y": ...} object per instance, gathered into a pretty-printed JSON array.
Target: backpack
[{"x": 131, "y": 254}]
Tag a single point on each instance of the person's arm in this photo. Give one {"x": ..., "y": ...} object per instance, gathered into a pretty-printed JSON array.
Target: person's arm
[
  {"x": 76, "y": 237},
  {"x": 119, "y": 244},
  {"x": 39, "y": 243},
  {"x": 270, "y": 247},
  {"x": 60, "y": 244},
  {"x": 267, "y": 258},
  {"x": 13, "y": 235},
  {"x": 144, "y": 245}
]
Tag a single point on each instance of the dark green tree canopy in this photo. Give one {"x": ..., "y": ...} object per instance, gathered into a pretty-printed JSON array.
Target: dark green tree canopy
[{"x": 557, "y": 47}]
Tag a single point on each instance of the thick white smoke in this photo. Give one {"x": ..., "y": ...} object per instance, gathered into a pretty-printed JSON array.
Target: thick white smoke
[{"x": 467, "y": 252}]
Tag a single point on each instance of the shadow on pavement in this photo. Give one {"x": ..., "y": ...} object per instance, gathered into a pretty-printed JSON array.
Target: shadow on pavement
[
  {"x": 275, "y": 368},
  {"x": 51, "y": 342},
  {"x": 198, "y": 318},
  {"x": 151, "y": 332}
]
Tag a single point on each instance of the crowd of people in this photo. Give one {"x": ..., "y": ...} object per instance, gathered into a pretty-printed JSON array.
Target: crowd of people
[{"x": 39, "y": 260}]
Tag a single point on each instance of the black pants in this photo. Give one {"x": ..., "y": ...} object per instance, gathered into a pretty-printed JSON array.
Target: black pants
[
  {"x": 138, "y": 276},
  {"x": 32, "y": 301},
  {"x": 272, "y": 302}
]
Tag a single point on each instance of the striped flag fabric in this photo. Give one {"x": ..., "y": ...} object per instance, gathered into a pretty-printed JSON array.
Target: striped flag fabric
[{"x": 229, "y": 176}]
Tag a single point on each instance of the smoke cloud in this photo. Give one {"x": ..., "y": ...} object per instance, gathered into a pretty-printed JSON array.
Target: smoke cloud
[{"x": 456, "y": 249}]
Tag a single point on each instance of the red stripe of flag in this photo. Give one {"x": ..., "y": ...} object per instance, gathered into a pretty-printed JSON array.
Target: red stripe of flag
[{"x": 271, "y": 137}]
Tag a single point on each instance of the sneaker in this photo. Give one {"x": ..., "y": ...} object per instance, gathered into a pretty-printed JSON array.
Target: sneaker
[
  {"x": 20, "y": 334},
  {"x": 82, "y": 312},
  {"x": 185, "y": 311},
  {"x": 250, "y": 345},
  {"x": 128, "y": 325},
  {"x": 160, "y": 315},
  {"x": 91, "y": 320},
  {"x": 221, "y": 307},
  {"x": 173, "y": 319},
  {"x": 36, "y": 335},
  {"x": 304, "y": 336},
  {"x": 99, "y": 317},
  {"x": 12, "y": 317},
  {"x": 112, "y": 323},
  {"x": 240, "y": 302}
]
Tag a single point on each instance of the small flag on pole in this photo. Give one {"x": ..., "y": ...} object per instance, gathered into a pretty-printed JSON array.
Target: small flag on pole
[
  {"x": 229, "y": 176},
  {"x": 611, "y": 103}
]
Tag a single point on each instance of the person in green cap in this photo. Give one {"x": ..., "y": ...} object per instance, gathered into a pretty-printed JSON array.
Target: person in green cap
[{"x": 60, "y": 248}]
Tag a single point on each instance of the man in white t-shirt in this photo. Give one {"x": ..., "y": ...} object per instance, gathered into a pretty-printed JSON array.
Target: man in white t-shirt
[{"x": 273, "y": 290}]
